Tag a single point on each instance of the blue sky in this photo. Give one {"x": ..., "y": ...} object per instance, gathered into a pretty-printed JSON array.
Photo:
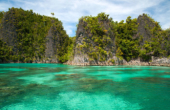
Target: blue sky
[{"x": 69, "y": 11}]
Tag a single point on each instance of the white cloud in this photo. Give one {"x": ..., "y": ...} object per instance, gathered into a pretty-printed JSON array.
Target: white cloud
[
  {"x": 69, "y": 11},
  {"x": 4, "y": 6}
]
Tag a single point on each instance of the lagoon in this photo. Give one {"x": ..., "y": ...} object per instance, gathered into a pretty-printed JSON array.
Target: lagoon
[{"x": 26, "y": 86}]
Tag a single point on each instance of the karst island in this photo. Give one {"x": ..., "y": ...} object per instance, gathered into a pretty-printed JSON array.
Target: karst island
[{"x": 106, "y": 65}]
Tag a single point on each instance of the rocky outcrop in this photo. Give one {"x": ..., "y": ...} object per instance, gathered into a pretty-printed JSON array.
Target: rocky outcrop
[
  {"x": 51, "y": 49},
  {"x": 168, "y": 41},
  {"x": 155, "y": 62},
  {"x": 8, "y": 30},
  {"x": 160, "y": 61},
  {"x": 83, "y": 60},
  {"x": 135, "y": 62},
  {"x": 144, "y": 25},
  {"x": 85, "y": 36},
  {"x": 92, "y": 41},
  {"x": 32, "y": 37}
]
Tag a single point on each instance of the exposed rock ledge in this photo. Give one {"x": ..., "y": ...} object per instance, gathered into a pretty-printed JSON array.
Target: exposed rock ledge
[
  {"x": 83, "y": 61},
  {"x": 48, "y": 60}
]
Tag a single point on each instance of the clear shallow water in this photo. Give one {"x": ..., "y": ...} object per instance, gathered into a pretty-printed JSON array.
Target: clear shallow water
[{"x": 64, "y": 87}]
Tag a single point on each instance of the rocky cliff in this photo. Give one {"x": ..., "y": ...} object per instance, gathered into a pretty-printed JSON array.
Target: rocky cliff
[
  {"x": 8, "y": 30},
  {"x": 154, "y": 40},
  {"x": 29, "y": 37},
  {"x": 144, "y": 25},
  {"x": 95, "y": 41},
  {"x": 101, "y": 41},
  {"x": 32, "y": 37}
]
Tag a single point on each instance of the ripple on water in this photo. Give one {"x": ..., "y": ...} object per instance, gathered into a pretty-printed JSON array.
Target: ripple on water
[
  {"x": 12, "y": 69},
  {"x": 51, "y": 86},
  {"x": 76, "y": 101}
]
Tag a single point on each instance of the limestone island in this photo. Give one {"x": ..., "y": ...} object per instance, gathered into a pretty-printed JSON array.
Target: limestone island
[{"x": 27, "y": 37}]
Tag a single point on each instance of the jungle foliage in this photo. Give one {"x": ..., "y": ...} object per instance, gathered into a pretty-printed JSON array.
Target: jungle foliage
[
  {"x": 98, "y": 36},
  {"x": 103, "y": 38},
  {"x": 128, "y": 46},
  {"x": 32, "y": 29},
  {"x": 156, "y": 44},
  {"x": 5, "y": 51}
]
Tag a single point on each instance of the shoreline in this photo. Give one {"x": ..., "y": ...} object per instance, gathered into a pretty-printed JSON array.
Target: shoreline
[
  {"x": 156, "y": 61},
  {"x": 164, "y": 65},
  {"x": 135, "y": 62}
]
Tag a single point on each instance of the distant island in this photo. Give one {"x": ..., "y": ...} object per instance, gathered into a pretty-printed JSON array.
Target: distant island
[{"x": 27, "y": 37}]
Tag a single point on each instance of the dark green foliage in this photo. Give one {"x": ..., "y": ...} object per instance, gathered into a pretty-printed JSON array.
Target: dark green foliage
[
  {"x": 113, "y": 61},
  {"x": 103, "y": 16},
  {"x": 32, "y": 29},
  {"x": 130, "y": 43},
  {"x": 93, "y": 25},
  {"x": 1, "y": 16},
  {"x": 166, "y": 41},
  {"x": 5, "y": 51},
  {"x": 31, "y": 32},
  {"x": 93, "y": 55},
  {"x": 65, "y": 50},
  {"x": 124, "y": 41},
  {"x": 103, "y": 37},
  {"x": 144, "y": 56},
  {"x": 98, "y": 36},
  {"x": 156, "y": 43}
]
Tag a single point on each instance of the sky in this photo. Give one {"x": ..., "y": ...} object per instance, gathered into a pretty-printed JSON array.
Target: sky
[{"x": 69, "y": 11}]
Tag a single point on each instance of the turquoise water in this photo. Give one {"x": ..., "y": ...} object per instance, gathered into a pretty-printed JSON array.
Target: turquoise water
[{"x": 64, "y": 87}]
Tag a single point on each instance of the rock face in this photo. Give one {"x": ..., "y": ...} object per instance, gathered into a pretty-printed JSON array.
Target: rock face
[
  {"x": 85, "y": 35},
  {"x": 155, "y": 62},
  {"x": 144, "y": 24},
  {"x": 135, "y": 62},
  {"x": 160, "y": 61},
  {"x": 168, "y": 41},
  {"x": 51, "y": 49},
  {"x": 32, "y": 37},
  {"x": 92, "y": 44},
  {"x": 99, "y": 40},
  {"x": 8, "y": 30},
  {"x": 150, "y": 31},
  {"x": 86, "y": 46}
]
